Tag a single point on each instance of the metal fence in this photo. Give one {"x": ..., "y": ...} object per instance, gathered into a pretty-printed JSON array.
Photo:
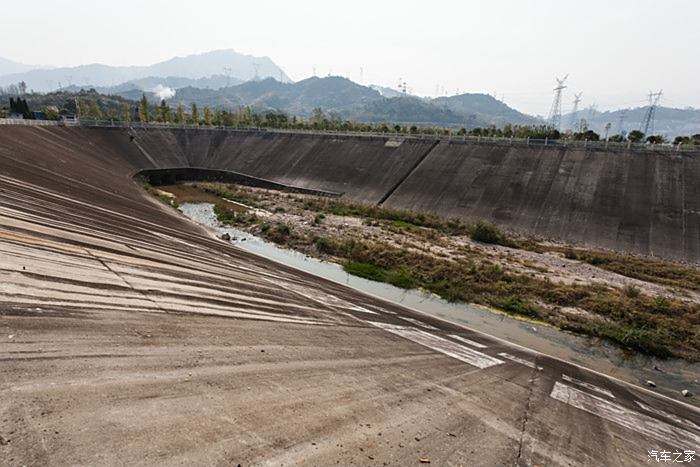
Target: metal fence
[
  {"x": 19, "y": 121},
  {"x": 451, "y": 138}
]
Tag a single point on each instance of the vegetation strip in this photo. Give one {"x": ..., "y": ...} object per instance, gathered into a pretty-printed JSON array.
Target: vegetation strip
[{"x": 658, "y": 325}]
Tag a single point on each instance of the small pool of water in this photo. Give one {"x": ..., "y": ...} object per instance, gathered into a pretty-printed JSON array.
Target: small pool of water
[{"x": 589, "y": 352}]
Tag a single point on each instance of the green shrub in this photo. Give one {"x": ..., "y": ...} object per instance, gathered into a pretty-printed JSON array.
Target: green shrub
[
  {"x": 631, "y": 291},
  {"x": 397, "y": 277},
  {"x": 488, "y": 233},
  {"x": 365, "y": 270}
]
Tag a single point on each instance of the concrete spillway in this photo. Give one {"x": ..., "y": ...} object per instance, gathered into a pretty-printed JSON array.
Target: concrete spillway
[
  {"x": 130, "y": 336},
  {"x": 641, "y": 202}
]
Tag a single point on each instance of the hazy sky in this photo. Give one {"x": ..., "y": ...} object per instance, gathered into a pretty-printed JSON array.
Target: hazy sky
[{"x": 614, "y": 51}]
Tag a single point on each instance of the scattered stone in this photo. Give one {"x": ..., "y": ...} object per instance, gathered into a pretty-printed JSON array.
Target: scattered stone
[
  {"x": 401, "y": 445},
  {"x": 659, "y": 369},
  {"x": 417, "y": 438},
  {"x": 686, "y": 393},
  {"x": 452, "y": 434},
  {"x": 370, "y": 458},
  {"x": 243, "y": 239},
  {"x": 4, "y": 441},
  {"x": 651, "y": 383},
  {"x": 225, "y": 236},
  {"x": 424, "y": 460},
  {"x": 11, "y": 336}
]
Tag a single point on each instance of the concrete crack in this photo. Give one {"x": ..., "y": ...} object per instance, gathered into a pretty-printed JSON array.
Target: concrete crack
[
  {"x": 126, "y": 282},
  {"x": 526, "y": 416}
]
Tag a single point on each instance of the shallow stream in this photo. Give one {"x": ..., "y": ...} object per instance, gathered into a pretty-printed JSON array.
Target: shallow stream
[{"x": 592, "y": 353}]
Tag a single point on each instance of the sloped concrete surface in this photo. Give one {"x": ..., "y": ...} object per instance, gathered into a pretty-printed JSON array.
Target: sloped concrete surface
[{"x": 129, "y": 336}]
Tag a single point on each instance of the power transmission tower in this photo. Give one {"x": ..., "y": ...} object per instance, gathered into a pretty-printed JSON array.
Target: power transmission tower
[
  {"x": 256, "y": 67},
  {"x": 592, "y": 110},
  {"x": 403, "y": 87},
  {"x": 648, "y": 122},
  {"x": 554, "y": 120},
  {"x": 574, "y": 112},
  {"x": 607, "y": 130},
  {"x": 227, "y": 72},
  {"x": 621, "y": 121},
  {"x": 362, "y": 75}
]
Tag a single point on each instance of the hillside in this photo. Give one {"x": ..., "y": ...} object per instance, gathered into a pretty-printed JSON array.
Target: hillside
[
  {"x": 349, "y": 100},
  {"x": 486, "y": 108},
  {"x": 668, "y": 121},
  {"x": 174, "y": 82},
  {"x": 413, "y": 110},
  {"x": 334, "y": 94},
  {"x": 9, "y": 67}
]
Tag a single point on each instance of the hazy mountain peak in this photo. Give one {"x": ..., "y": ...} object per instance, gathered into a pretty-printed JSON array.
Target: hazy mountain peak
[
  {"x": 236, "y": 66},
  {"x": 9, "y": 67}
]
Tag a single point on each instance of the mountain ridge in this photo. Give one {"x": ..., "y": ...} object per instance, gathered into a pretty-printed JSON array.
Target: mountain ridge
[{"x": 217, "y": 62}]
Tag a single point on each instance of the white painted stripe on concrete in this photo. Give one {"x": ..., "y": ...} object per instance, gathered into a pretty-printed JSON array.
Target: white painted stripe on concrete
[
  {"x": 668, "y": 415},
  {"x": 522, "y": 361},
  {"x": 586, "y": 385},
  {"x": 615, "y": 413},
  {"x": 439, "y": 344},
  {"x": 419, "y": 323},
  {"x": 323, "y": 298},
  {"x": 467, "y": 341}
]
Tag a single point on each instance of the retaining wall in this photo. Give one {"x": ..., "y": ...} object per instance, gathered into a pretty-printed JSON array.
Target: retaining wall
[{"x": 640, "y": 202}]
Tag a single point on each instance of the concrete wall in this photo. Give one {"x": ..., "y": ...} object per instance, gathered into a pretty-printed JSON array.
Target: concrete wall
[
  {"x": 361, "y": 168},
  {"x": 639, "y": 202},
  {"x": 644, "y": 202}
]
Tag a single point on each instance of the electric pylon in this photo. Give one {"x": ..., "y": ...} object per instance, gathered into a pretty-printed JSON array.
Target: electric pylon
[
  {"x": 648, "y": 122},
  {"x": 621, "y": 121},
  {"x": 554, "y": 120},
  {"x": 574, "y": 112}
]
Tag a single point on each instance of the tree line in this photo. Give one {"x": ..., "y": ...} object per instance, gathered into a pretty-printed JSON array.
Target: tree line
[{"x": 91, "y": 105}]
